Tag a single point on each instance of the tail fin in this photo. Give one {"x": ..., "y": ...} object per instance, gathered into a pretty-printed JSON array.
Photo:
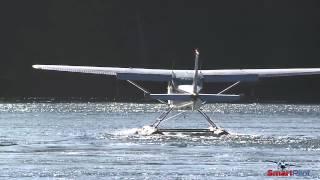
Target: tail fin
[{"x": 196, "y": 67}]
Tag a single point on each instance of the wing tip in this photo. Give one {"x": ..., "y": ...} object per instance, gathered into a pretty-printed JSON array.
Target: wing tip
[{"x": 36, "y": 66}]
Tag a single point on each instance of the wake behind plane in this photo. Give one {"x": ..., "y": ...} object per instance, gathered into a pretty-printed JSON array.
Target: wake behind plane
[{"x": 185, "y": 86}]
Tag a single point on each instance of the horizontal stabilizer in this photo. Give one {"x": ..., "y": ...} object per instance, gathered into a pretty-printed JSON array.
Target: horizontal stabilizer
[
  {"x": 208, "y": 98},
  {"x": 174, "y": 97},
  {"x": 231, "y": 78},
  {"x": 219, "y": 98},
  {"x": 143, "y": 77}
]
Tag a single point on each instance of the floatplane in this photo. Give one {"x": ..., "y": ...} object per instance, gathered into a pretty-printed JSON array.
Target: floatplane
[{"x": 184, "y": 87}]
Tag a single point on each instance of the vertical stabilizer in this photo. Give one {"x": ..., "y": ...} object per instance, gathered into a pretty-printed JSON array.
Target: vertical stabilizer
[{"x": 196, "y": 68}]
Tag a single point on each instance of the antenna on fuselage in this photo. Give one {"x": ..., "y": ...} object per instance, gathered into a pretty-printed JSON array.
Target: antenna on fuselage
[
  {"x": 172, "y": 65},
  {"x": 196, "y": 68}
]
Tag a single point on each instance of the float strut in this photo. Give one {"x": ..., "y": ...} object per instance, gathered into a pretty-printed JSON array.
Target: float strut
[
  {"x": 207, "y": 118},
  {"x": 161, "y": 117}
]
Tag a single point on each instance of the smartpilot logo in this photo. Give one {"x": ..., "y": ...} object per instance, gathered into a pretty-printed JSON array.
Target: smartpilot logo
[{"x": 283, "y": 169}]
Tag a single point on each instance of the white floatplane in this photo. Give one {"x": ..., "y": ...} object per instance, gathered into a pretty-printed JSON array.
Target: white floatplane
[{"x": 184, "y": 87}]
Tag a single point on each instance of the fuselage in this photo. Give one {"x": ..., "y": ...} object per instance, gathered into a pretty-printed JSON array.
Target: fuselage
[{"x": 178, "y": 86}]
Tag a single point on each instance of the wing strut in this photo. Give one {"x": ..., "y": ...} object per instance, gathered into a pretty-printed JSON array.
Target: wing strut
[
  {"x": 146, "y": 92},
  {"x": 139, "y": 87},
  {"x": 226, "y": 89}
]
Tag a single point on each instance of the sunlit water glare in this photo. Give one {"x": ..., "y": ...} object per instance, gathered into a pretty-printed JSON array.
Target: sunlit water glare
[{"x": 97, "y": 140}]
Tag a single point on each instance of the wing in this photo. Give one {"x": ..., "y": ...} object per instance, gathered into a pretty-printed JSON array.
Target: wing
[
  {"x": 228, "y": 75},
  {"x": 254, "y": 74},
  {"x": 103, "y": 70},
  {"x": 121, "y": 73}
]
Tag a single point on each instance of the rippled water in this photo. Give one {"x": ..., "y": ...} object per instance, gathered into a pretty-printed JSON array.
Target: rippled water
[{"x": 96, "y": 140}]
